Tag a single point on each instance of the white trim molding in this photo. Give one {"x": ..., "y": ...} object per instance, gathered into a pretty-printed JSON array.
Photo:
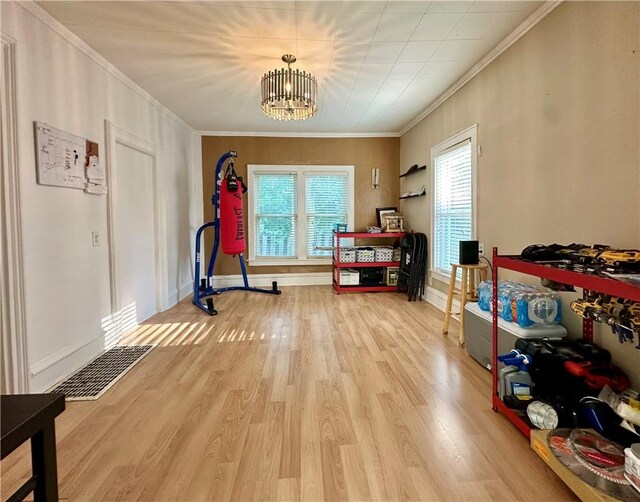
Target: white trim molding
[
  {"x": 114, "y": 136},
  {"x": 438, "y": 299},
  {"x": 60, "y": 29},
  {"x": 265, "y": 280},
  {"x": 508, "y": 41},
  {"x": 15, "y": 362},
  {"x": 302, "y": 134}
]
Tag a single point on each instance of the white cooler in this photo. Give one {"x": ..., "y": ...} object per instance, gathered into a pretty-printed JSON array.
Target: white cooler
[{"x": 477, "y": 333}]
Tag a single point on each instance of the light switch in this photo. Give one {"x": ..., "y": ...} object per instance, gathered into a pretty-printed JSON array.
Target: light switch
[{"x": 95, "y": 237}]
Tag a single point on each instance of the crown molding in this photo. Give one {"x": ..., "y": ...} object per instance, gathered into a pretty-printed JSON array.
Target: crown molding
[
  {"x": 511, "y": 39},
  {"x": 302, "y": 134},
  {"x": 60, "y": 29}
]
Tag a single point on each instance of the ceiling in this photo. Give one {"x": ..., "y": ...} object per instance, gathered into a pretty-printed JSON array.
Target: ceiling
[{"x": 379, "y": 64}]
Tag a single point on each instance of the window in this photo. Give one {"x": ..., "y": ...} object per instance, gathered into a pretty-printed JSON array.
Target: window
[
  {"x": 293, "y": 211},
  {"x": 453, "y": 211}
]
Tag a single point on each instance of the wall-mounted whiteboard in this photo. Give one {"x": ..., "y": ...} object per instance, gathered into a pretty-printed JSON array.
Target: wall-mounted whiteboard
[{"x": 60, "y": 157}]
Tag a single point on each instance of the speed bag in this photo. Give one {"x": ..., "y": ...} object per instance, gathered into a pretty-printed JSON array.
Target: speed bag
[{"x": 231, "y": 220}]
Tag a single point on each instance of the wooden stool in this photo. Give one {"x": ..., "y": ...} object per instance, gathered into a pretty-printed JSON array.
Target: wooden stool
[{"x": 467, "y": 292}]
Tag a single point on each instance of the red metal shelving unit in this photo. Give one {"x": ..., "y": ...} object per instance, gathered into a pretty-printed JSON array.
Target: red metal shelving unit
[
  {"x": 337, "y": 264},
  {"x": 590, "y": 282}
]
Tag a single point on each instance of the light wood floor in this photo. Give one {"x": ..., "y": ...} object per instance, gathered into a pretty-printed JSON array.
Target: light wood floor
[{"x": 310, "y": 396}]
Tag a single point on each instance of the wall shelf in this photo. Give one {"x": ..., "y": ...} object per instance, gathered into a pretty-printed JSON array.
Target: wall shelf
[
  {"x": 410, "y": 172},
  {"x": 413, "y": 196}
]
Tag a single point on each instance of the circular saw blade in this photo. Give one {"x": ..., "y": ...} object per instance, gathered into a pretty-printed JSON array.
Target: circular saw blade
[{"x": 561, "y": 447}]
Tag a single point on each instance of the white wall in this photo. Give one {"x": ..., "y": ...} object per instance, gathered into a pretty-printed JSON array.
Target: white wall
[{"x": 67, "y": 279}]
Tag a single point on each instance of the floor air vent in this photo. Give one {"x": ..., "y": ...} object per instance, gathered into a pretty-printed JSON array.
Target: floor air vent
[{"x": 93, "y": 380}]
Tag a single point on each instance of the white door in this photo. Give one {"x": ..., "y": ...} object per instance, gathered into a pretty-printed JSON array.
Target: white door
[{"x": 134, "y": 236}]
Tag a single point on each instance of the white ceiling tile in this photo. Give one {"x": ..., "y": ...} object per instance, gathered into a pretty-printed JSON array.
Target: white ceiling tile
[
  {"x": 375, "y": 70},
  {"x": 393, "y": 88},
  {"x": 382, "y": 52},
  {"x": 435, "y": 26},
  {"x": 363, "y": 5},
  {"x": 349, "y": 51},
  {"x": 239, "y": 22},
  {"x": 419, "y": 51},
  {"x": 269, "y": 4},
  {"x": 341, "y": 82},
  {"x": 504, "y": 6},
  {"x": 475, "y": 25},
  {"x": 242, "y": 50},
  {"x": 419, "y": 93},
  {"x": 275, "y": 23},
  {"x": 405, "y": 70},
  {"x": 411, "y": 7},
  {"x": 382, "y": 102},
  {"x": 396, "y": 27},
  {"x": 314, "y": 50},
  {"x": 445, "y": 6},
  {"x": 440, "y": 69},
  {"x": 367, "y": 86},
  {"x": 462, "y": 50},
  {"x": 319, "y": 5},
  {"x": 274, "y": 48},
  {"x": 356, "y": 26},
  {"x": 316, "y": 25}
]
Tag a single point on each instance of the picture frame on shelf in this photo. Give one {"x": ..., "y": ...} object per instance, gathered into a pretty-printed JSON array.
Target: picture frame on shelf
[
  {"x": 392, "y": 222},
  {"x": 383, "y": 210}
]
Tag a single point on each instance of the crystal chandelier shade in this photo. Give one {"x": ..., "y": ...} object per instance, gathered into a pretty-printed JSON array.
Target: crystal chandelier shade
[{"x": 289, "y": 94}]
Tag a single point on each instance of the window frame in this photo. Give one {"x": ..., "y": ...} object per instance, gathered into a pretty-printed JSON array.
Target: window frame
[
  {"x": 300, "y": 171},
  {"x": 468, "y": 134}
]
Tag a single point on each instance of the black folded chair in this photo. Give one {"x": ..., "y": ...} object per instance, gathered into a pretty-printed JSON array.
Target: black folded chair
[{"x": 413, "y": 259}]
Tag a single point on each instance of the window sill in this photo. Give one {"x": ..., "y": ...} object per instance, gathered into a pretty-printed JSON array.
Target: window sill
[{"x": 288, "y": 263}]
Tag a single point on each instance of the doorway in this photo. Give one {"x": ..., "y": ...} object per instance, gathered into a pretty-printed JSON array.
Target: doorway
[{"x": 136, "y": 230}]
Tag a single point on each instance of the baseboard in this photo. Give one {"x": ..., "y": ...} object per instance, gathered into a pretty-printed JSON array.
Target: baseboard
[
  {"x": 265, "y": 280},
  {"x": 438, "y": 299},
  {"x": 179, "y": 295},
  {"x": 62, "y": 363},
  {"x": 185, "y": 291}
]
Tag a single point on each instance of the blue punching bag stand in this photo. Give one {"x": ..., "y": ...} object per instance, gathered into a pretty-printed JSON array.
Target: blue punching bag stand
[{"x": 203, "y": 290}]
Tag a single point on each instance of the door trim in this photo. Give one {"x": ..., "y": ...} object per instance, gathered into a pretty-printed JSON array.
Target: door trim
[
  {"x": 14, "y": 358},
  {"x": 114, "y": 136}
]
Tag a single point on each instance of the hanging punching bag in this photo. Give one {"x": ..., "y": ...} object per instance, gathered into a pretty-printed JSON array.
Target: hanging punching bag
[{"x": 231, "y": 218}]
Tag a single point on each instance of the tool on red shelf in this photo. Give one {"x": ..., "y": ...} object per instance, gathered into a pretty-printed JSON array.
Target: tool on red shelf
[
  {"x": 597, "y": 375},
  {"x": 622, "y": 315}
]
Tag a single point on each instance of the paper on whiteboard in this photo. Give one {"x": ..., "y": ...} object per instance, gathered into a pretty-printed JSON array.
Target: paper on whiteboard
[
  {"x": 95, "y": 171},
  {"x": 61, "y": 157}
]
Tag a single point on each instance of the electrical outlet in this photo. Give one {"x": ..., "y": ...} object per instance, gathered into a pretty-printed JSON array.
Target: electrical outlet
[
  {"x": 481, "y": 248},
  {"x": 95, "y": 238}
]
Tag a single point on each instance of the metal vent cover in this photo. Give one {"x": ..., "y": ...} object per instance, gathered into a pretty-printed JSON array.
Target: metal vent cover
[{"x": 94, "y": 379}]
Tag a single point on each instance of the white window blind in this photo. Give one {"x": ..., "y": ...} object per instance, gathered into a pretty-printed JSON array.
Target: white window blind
[
  {"x": 452, "y": 204},
  {"x": 326, "y": 203},
  {"x": 275, "y": 203}
]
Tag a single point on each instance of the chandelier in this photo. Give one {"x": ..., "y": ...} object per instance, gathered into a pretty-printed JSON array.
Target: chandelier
[{"x": 289, "y": 94}]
